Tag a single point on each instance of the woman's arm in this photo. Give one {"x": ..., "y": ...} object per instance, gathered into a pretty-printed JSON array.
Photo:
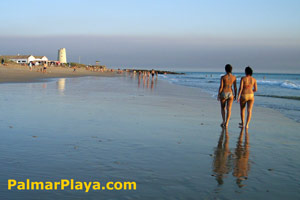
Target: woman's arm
[
  {"x": 255, "y": 85},
  {"x": 234, "y": 86},
  {"x": 220, "y": 88},
  {"x": 240, "y": 90}
]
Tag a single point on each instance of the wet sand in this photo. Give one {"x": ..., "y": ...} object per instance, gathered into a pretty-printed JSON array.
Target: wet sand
[
  {"x": 19, "y": 73},
  {"x": 165, "y": 137}
]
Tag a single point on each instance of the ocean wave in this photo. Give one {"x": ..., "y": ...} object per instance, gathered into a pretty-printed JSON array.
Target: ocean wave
[
  {"x": 281, "y": 97},
  {"x": 174, "y": 80},
  {"x": 161, "y": 75},
  {"x": 263, "y": 82},
  {"x": 289, "y": 84},
  {"x": 284, "y": 84}
]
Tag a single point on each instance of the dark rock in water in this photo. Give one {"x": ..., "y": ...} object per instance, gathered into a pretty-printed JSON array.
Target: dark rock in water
[
  {"x": 270, "y": 169},
  {"x": 10, "y": 126}
]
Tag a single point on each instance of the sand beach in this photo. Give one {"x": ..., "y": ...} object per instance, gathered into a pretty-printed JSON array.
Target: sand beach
[
  {"x": 165, "y": 137},
  {"x": 10, "y": 73}
]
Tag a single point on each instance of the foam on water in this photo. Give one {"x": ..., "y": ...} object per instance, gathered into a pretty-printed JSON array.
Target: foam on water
[{"x": 284, "y": 84}]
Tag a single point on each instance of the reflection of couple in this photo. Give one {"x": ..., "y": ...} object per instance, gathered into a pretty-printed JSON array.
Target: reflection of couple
[{"x": 224, "y": 160}]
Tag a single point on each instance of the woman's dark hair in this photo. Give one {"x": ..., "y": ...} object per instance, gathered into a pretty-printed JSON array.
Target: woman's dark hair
[
  {"x": 228, "y": 68},
  {"x": 248, "y": 71}
]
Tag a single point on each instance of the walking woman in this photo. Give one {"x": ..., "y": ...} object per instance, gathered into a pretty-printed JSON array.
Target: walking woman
[
  {"x": 225, "y": 95},
  {"x": 248, "y": 86}
]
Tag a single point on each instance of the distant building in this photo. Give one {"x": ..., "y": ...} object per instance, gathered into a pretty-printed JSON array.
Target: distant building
[
  {"x": 40, "y": 59},
  {"x": 62, "y": 56},
  {"x": 20, "y": 58},
  {"x": 26, "y": 58}
]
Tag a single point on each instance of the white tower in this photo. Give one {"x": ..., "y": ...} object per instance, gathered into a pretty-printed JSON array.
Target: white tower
[{"x": 62, "y": 56}]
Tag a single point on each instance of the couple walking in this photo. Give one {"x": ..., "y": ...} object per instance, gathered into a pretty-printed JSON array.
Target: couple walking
[{"x": 247, "y": 88}]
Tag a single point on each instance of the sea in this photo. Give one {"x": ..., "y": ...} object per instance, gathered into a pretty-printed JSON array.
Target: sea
[{"x": 276, "y": 91}]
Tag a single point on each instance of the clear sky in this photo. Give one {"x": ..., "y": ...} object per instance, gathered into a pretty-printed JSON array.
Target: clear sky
[{"x": 188, "y": 35}]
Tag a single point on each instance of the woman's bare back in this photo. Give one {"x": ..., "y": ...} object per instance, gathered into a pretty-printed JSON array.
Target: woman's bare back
[
  {"x": 249, "y": 85},
  {"x": 228, "y": 80}
]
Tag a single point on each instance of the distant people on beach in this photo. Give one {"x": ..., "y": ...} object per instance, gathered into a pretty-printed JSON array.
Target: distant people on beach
[
  {"x": 248, "y": 86},
  {"x": 226, "y": 160},
  {"x": 45, "y": 68},
  {"x": 2, "y": 61},
  {"x": 30, "y": 65},
  {"x": 226, "y": 95}
]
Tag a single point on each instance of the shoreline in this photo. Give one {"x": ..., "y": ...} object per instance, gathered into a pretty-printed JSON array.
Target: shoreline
[{"x": 14, "y": 73}]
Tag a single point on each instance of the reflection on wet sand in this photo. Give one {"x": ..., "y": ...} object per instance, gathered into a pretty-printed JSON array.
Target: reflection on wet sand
[
  {"x": 225, "y": 161},
  {"x": 241, "y": 164},
  {"x": 149, "y": 79},
  {"x": 152, "y": 83},
  {"x": 61, "y": 85},
  {"x": 221, "y": 161},
  {"x": 146, "y": 80},
  {"x": 139, "y": 81}
]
